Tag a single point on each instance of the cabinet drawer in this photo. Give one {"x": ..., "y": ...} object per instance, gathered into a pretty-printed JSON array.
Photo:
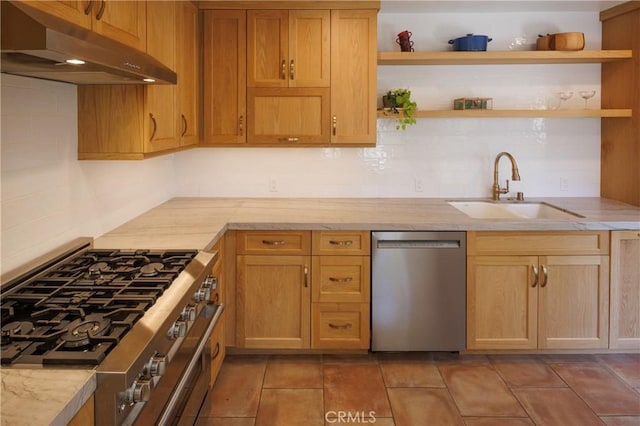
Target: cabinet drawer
[
  {"x": 341, "y": 242},
  {"x": 340, "y": 326},
  {"x": 217, "y": 348},
  {"x": 270, "y": 242},
  {"x": 341, "y": 279},
  {"x": 538, "y": 243}
]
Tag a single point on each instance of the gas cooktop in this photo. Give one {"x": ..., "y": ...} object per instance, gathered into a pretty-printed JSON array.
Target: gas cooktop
[{"x": 76, "y": 311}]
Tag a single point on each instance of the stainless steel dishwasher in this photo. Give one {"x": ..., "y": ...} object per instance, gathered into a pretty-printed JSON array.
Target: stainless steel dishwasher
[{"x": 418, "y": 300}]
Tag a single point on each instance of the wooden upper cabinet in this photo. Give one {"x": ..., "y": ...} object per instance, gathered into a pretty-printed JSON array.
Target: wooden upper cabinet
[
  {"x": 188, "y": 65},
  {"x": 122, "y": 21},
  {"x": 161, "y": 128},
  {"x": 225, "y": 76},
  {"x": 288, "y": 48},
  {"x": 353, "y": 76}
]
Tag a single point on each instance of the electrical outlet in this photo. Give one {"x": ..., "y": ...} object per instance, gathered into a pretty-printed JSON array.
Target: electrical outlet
[
  {"x": 273, "y": 184},
  {"x": 417, "y": 182},
  {"x": 564, "y": 184}
]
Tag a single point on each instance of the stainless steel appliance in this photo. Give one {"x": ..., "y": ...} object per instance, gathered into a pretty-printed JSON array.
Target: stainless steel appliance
[
  {"x": 418, "y": 291},
  {"x": 141, "y": 318}
]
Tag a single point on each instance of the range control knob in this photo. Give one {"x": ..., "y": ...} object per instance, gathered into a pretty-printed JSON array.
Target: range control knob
[
  {"x": 202, "y": 294},
  {"x": 156, "y": 366},
  {"x": 139, "y": 391},
  {"x": 210, "y": 282},
  {"x": 188, "y": 313},
  {"x": 178, "y": 329}
]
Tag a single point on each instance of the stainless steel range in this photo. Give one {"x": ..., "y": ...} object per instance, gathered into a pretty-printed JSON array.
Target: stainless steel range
[{"x": 142, "y": 318}]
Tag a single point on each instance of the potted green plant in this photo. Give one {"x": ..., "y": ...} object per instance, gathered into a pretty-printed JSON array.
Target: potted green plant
[{"x": 399, "y": 100}]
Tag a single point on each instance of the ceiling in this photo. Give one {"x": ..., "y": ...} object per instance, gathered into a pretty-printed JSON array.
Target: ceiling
[{"x": 490, "y": 6}]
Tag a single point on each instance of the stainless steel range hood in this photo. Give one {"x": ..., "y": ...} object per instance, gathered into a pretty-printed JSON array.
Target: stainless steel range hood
[{"x": 38, "y": 45}]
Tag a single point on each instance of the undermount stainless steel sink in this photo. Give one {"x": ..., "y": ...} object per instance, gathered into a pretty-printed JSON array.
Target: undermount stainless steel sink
[{"x": 512, "y": 210}]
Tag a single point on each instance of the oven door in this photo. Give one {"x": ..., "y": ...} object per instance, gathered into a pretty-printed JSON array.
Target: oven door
[{"x": 178, "y": 396}]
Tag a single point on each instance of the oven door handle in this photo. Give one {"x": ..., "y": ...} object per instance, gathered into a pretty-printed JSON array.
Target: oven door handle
[{"x": 167, "y": 412}]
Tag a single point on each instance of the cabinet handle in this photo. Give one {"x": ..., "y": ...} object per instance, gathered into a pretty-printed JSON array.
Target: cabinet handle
[
  {"x": 345, "y": 243},
  {"x": 335, "y": 125},
  {"x": 103, "y": 5},
  {"x": 291, "y": 67},
  {"x": 217, "y": 351},
  {"x": 341, "y": 280},
  {"x": 341, "y": 327},
  {"x": 284, "y": 70},
  {"x": 545, "y": 276},
  {"x": 155, "y": 126},
  {"x": 535, "y": 275},
  {"x": 184, "y": 125},
  {"x": 306, "y": 276},
  {"x": 241, "y": 125},
  {"x": 87, "y": 10},
  {"x": 274, "y": 242},
  {"x": 291, "y": 139}
]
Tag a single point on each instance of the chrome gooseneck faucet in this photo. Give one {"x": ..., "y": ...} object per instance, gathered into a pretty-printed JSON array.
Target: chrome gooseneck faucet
[{"x": 515, "y": 175}]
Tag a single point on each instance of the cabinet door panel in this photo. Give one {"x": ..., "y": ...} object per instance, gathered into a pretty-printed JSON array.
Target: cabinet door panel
[
  {"x": 340, "y": 326},
  {"x": 353, "y": 76},
  {"x": 225, "y": 63},
  {"x": 309, "y": 48},
  {"x": 341, "y": 279},
  {"x": 288, "y": 116},
  {"x": 123, "y": 21},
  {"x": 574, "y": 302},
  {"x": 71, "y": 11},
  {"x": 501, "y": 302},
  {"x": 188, "y": 63},
  {"x": 267, "y": 48},
  {"x": 274, "y": 301},
  {"x": 625, "y": 290}
]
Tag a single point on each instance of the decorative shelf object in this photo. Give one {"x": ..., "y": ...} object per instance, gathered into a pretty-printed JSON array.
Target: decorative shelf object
[
  {"x": 502, "y": 57},
  {"x": 516, "y": 113}
]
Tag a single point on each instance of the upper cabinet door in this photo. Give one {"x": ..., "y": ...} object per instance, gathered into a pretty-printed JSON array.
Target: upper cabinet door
[
  {"x": 288, "y": 48},
  {"x": 353, "y": 76},
  {"x": 123, "y": 21},
  {"x": 267, "y": 48},
  {"x": 225, "y": 69},
  {"x": 188, "y": 65},
  {"x": 309, "y": 48},
  {"x": 77, "y": 12}
]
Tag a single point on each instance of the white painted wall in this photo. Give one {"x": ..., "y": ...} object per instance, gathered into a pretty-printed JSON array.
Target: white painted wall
[{"x": 48, "y": 197}]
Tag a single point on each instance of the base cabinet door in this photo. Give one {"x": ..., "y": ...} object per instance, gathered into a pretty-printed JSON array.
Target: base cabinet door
[
  {"x": 625, "y": 290},
  {"x": 573, "y": 302},
  {"x": 273, "y": 302},
  {"x": 340, "y": 326},
  {"x": 502, "y": 302}
]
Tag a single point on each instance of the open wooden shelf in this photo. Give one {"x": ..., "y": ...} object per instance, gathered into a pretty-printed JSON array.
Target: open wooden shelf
[
  {"x": 502, "y": 57},
  {"x": 515, "y": 113}
]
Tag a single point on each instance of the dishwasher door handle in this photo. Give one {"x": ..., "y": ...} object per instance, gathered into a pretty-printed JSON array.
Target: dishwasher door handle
[{"x": 418, "y": 244}]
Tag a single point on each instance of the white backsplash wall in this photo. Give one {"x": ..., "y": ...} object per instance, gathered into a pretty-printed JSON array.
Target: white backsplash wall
[
  {"x": 48, "y": 196},
  {"x": 438, "y": 157}
]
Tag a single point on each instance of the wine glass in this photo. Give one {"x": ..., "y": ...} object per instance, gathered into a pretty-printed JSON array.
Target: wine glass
[
  {"x": 586, "y": 95},
  {"x": 564, "y": 96}
]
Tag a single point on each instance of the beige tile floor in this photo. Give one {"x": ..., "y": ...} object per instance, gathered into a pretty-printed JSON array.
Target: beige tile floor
[{"x": 424, "y": 389}]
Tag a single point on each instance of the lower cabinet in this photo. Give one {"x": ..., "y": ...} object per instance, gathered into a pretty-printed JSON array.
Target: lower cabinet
[
  {"x": 625, "y": 290},
  {"x": 85, "y": 415},
  {"x": 537, "y": 290},
  {"x": 289, "y": 296}
]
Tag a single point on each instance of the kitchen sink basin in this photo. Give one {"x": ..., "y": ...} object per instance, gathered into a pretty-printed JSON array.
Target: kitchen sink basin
[{"x": 512, "y": 210}]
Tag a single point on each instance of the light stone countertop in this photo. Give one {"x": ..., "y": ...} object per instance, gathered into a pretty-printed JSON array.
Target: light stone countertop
[
  {"x": 34, "y": 397},
  {"x": 197, "y": 223},
  {"x": 54, "y": 396}
]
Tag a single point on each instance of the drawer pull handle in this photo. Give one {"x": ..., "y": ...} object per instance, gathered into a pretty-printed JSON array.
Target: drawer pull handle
[
  {"x": 341, "y": 280},
  {"x": 345, "y": 243},
  {"x": 535, "y": 275},
  {"x": 101, "y": 11},
  {"x": 87, "y": 10},
  {"x": 341, "y": 327},
  {"x": 545, "y": 276},
  {"x": 184, "y": 125},
  {"x": 274, "y": 242},
  {"x": 306, "y": 276},
  {"x": 216, "y": 352}
]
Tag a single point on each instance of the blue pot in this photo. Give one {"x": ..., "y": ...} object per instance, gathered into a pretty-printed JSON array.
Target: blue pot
[{"x": 470, "y": 42}]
